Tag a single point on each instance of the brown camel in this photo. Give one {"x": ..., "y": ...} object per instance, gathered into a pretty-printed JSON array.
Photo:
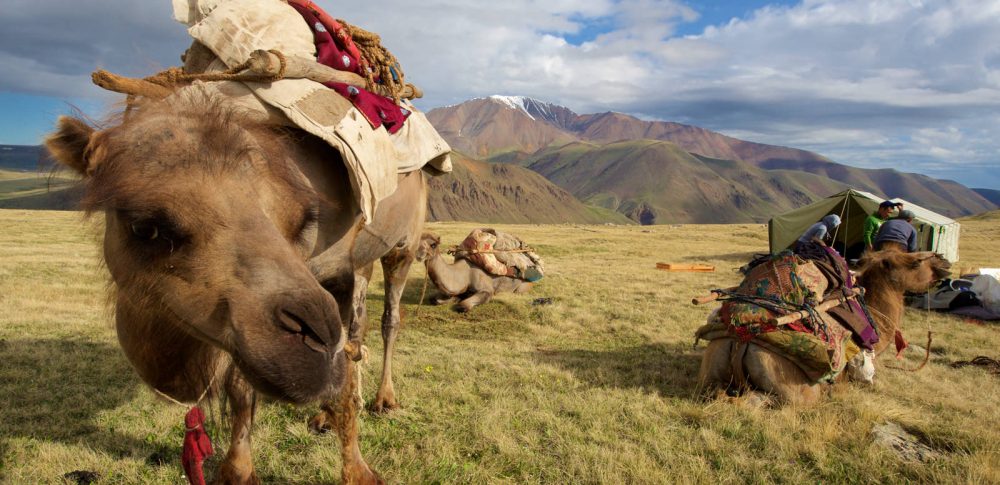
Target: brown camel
[
  {"x": 240, "y": 262},
  {"x": 462, "y": 281},
  {"x": 886, "y": 275}
]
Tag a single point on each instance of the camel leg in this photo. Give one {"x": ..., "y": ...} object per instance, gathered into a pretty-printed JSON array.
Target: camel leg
[
  {"x": 237, "y": 467},
  {"x": 445, "y": 300},
  {"x": 523, "y": 287},
  {"x": 341, "y": 414},
  {"x": 716, "y": 372},
  {"x": 776, "y": 375},
  {"x": 356, "y": 329},
  {"x": 359, "y": 324},
  {"x": 359, "y": 317},
  {"x": 475, "y": 300},
  {"x": 395, "y": 267}
]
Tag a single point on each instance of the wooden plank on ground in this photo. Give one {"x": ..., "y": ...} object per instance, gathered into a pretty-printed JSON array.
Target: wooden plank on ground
[{"x": 688, "y": 267}]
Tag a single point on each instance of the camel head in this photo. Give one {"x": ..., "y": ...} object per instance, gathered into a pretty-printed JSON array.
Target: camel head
[
  {"x": 429, "y": 247},
  {"x": 208, "y": 224},
  {"x": 914, "y": 272}
]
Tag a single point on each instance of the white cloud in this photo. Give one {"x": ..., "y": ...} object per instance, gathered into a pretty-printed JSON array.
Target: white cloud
[{"x": 872, "y": 83}]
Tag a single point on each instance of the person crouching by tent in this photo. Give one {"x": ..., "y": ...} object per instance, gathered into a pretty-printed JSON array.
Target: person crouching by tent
[
  {"x": 897, "y": 234},
  {"x": 870, "y": 229},
  {"x": 819, "y": 232}
]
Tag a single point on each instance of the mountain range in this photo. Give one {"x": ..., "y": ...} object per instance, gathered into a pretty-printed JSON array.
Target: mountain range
[
  {"x": 664, "y": 172},
  {"x": 521, "y": 160}
]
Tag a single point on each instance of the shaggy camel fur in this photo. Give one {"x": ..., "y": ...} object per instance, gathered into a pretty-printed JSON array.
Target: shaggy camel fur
[
  {"x": 886, "y": 275},
  {"x": 462, "y": 281},
  {"x": 240, "y": 262}
]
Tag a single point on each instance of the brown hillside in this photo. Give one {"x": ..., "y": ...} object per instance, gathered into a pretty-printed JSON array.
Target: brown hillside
[
  {"x": 656, "y": 182},
  {"x": 502, "y": 193},
  {"x": 945, "y": 196},
  {"x": 484, "y": 127}
]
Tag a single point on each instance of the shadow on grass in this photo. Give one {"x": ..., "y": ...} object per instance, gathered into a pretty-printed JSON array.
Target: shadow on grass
[
  {"x": 411, "y": 294},
  {"x": 54, "y": 390},
  {"x": 668, "y": 369}
]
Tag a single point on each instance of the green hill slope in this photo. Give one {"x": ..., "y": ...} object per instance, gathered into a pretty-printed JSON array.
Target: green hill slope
[
  {"x": 502, "y": 193},
  {"x": 655, "y": 182}
]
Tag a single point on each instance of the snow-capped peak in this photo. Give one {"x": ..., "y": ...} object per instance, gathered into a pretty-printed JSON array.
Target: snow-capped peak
[{"x": 515, "y": 102}]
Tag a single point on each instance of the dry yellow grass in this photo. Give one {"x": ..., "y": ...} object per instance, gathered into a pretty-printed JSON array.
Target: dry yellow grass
[{"x": 596, "y": 388}]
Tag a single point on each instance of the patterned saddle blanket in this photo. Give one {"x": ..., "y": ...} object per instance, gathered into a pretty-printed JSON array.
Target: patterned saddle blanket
[{"x": 820, "y": 344}]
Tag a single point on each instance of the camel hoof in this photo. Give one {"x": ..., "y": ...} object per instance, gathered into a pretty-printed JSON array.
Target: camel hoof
[
  {"x": 758, "y": 400},
  {"x": 321, "y": 423},
  {"x": 383, "y": 405},
  {"x": 462, "y": 309},
  {"x": 227, "y": 475},
  {"x": 361, "y": 475}
]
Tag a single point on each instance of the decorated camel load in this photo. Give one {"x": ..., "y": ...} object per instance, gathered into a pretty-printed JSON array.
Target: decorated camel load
[
  {"x": 500, "y": 254},
  {"x": 803, "y": 307},
  {"x": 289, "y": 63}
]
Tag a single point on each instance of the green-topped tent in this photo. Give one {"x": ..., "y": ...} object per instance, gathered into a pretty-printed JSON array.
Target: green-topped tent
[{"x": 935, "y": 232}]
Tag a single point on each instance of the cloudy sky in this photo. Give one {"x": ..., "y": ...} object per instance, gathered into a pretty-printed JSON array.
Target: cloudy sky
[{"x": 907, "y": 84}]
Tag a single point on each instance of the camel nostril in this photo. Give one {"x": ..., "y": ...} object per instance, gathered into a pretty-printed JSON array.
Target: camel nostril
[
  {"x": 313, "y": 343},
  {"x": 289, "y": 321},
  {"x": 295, "y": 324}
]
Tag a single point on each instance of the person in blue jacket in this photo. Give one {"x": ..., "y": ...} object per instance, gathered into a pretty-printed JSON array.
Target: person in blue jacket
[
  {"x": 819, "y": 232},
  {"x": 897, "y": 233}
]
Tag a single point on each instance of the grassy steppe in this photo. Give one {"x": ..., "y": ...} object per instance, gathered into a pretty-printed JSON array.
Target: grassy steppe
[
  {"x": 34, "y": 190},
  {"x": 595, "y": 388}
]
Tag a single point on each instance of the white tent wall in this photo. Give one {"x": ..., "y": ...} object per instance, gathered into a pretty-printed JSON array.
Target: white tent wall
[{"x": 934, "y": 231}]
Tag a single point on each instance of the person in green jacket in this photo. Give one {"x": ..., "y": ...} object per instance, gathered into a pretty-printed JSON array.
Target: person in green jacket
[
  {"x": 870, "y": 228},
  {"x": 874, "y": 221}
]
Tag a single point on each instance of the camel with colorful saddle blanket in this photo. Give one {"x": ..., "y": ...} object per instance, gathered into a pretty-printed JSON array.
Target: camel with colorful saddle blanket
[{"x": 798, "y": 320}]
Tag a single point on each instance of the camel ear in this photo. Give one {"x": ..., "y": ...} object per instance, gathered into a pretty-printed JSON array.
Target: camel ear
[{"x": 71, "y": 145}]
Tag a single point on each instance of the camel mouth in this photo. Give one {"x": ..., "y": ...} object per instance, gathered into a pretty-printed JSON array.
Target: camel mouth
[
  {"x": 296, "y": 375},
  {"x": 289, "y": 352}
]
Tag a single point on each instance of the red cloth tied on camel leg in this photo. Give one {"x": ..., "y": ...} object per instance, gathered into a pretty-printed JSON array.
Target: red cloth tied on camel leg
[
  {"x": 197, "y": 446},
  {"x": 901, "y": 344}
]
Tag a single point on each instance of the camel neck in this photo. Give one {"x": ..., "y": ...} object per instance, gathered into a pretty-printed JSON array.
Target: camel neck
[
  {"x": 887, "y": 309},
  {"x": 439, "y": 271}
]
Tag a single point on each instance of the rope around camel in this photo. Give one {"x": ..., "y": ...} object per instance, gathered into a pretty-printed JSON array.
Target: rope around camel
[{"x": 383, "y": 65}]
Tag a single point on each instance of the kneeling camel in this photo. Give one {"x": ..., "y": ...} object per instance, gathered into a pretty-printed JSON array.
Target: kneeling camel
[
  {"x": 885, "y": 275},
  {"x": 462, "y": 281}
]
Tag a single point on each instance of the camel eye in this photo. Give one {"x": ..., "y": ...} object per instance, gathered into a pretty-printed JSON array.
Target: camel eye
[
  {"x": 146, "y": 231},
  {"x": 434, "y": 245}
]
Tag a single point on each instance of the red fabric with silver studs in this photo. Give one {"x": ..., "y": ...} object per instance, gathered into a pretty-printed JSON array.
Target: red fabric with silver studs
[{"x": 334, "y": 48}]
